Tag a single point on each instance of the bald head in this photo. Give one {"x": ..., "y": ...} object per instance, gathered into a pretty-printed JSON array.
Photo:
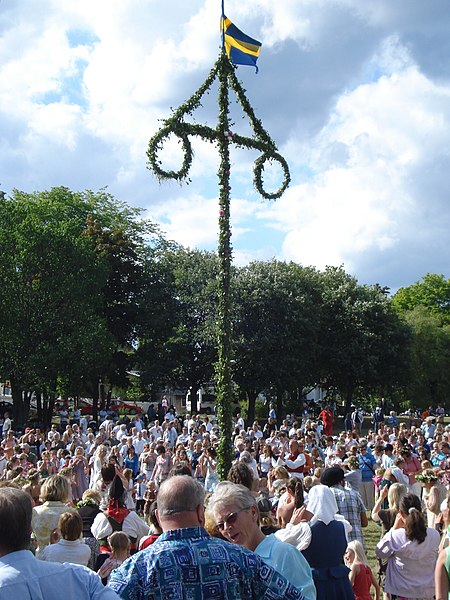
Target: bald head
[
  {"x": 180, "y": 503},
  {"x": 178, "y": 494}
]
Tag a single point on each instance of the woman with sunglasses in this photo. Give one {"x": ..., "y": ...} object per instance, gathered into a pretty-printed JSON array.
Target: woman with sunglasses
[{"x": 235, "y": 512}]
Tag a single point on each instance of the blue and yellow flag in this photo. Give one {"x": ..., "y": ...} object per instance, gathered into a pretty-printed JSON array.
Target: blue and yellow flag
[{"x": 240, "y": 48}]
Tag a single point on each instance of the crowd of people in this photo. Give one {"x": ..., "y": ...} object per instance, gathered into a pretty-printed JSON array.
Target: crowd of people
[{"x": 137, "y": 498}]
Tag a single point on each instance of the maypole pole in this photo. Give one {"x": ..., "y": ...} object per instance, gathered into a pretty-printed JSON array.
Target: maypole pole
[
  {"x": 239, "y": 49},
  {"x": 223, "y": 369}
]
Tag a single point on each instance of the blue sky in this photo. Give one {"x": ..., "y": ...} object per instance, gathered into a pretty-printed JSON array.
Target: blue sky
[{"x": 355, "y": 94}]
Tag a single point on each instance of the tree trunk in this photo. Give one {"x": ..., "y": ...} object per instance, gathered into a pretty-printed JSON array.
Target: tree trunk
[
  {"x": 18, "y": 406},
  {"x": 348, "y": 399},
  {"x": 95, "y": 398},
  {"x": 279, "y": 405},
  {"x": 251, "y": 397},
  {"x": 48, "y": 407}
]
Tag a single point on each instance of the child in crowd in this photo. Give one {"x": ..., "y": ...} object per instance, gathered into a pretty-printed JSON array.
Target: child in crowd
[
  {"x": 361, "y": 576},
  {"x": 163, "y": 465},
  {"x": 140, "y": 486},
  {"x": 128, "y": 484},
  {"x": 377, "y": 479},
  {"x": 70, "y": 547},
  {"x": 155, "y": 528},
  {"x": 120, "y": 551}
]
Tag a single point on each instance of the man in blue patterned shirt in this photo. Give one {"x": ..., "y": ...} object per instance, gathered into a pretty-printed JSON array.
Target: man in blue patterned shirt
[{"x": 187, "y": 563}]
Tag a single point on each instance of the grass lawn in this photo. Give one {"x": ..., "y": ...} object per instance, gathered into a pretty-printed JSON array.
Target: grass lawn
[{"x": 372, "y": 536}]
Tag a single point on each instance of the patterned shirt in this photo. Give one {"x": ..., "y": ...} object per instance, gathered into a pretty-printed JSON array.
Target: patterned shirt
[
  {"x": 350, "y": 506},
  {"x": 189, "y": 564}
]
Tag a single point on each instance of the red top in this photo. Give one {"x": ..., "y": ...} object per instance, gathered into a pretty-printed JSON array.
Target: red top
[
  {"x": 147, "y": 542},
  {"x": 362, "y": 583}
]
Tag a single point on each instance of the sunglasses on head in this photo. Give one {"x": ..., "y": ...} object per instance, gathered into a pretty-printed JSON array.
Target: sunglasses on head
[{"x": 231, "y": 519}]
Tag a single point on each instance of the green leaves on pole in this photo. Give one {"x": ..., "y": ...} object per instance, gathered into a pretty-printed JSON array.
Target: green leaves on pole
[
  {"x": 176, "y": 125},
  {"x": 223, "y": 137}
]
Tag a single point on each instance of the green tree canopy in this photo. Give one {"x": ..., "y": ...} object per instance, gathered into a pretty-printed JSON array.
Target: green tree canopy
[{"x": 433, "y": 292}]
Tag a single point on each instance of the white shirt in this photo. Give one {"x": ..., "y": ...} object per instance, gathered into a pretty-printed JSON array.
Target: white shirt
[
  {"x": 6, "y": 426},
  {"x": 139, "y": 445},
  {"x": 75, "y": 552},
  {"x": 132, "y": 525}
]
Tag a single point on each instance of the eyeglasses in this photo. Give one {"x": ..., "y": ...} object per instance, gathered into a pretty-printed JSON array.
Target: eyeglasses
[{"x": 231, "y": 519}]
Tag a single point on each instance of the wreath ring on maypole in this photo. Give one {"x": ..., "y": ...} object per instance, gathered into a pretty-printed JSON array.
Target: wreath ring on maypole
[
  {"x": 157, "y": 141},
  {"x": 258, "y": 170}
]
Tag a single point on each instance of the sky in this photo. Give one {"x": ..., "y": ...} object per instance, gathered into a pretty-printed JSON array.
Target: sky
[{"x": 356, "y": 95}]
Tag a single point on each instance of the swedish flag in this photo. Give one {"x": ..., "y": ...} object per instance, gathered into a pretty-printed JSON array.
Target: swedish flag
[{"x": 240, "y": 48}]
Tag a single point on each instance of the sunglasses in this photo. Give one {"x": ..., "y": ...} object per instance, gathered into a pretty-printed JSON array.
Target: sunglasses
[{"x": 231, "y": 519}]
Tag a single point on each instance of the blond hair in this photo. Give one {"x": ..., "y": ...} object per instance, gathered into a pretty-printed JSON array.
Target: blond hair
[
  {"x": 358, "y": 549},
  {"x": 55, "y": 488}
]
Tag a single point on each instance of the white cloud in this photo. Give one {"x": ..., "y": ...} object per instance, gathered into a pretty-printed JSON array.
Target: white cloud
[{"x": 356, "y": 93}]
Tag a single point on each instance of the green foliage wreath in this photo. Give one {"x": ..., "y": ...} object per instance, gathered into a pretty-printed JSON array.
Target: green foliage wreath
[{"x": 177, "y": 126}]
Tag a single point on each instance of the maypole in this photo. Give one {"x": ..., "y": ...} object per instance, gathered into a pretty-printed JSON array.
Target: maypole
[{"x": 237, "y": 48}]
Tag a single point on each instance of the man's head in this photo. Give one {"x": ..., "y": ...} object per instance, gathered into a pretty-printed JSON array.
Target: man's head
[
  {"x": 180, "y": 503},
  {"x": 332, "y": 476},
  {"x": 15, "y": 520}
]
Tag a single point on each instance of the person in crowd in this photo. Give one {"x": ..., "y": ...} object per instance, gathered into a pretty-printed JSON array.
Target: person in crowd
[
  {"x": 353, "y": 475},
  {"x": 327, "y": 418},
  {"x": 367, "y": 464},
  {"x": 33, "y": 486},
  {"x": 117, "y": 517},
  {"x": 361, "y": 576},
  {"x": 216, "y": 568},
  {"x": 79, "y": 467},
  {"x": 236, "y": 516},
  {"x": 119, "y": 543},
  {"x": 69, "y": 547},
  {"x": 241, "y": 473},
  {"x": 325, "y": 552},
  {"x": 54, "y": 497},
  {"x": 433, "y": 494},
  {"x": 163, "y": 464},
  {"x": 411, "y": 468},
  {"x": 410, "y": 549},
  {"x": 155, "y": 528},
  {"x": 294, "y": 489},
  {"x": 88, "y": 508},
  {"x": 442, "y": 575},
  {"x": 349, "y": 502},
  {"x": 97, "y": 464},
  {"x": 24, "y": 577}
]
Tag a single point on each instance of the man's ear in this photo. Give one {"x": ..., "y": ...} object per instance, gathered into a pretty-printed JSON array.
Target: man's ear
[{"x": 201, "y": 514}]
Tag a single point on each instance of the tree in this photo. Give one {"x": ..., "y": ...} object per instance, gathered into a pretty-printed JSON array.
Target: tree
[
  {"x": 364, "y": 342},
  {"x": 430, "y": 358},
  {"x": 276, "y": 329},
  {"x": 182, "y": 338},
  {"x": 47, "y": 309},
  {"x": 433, "y": 292},
  {"x": 70, "y": 265}
]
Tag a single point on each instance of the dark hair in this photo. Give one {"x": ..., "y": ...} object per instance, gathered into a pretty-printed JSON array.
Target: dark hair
[
  {"x": 152, "y": 517},
  {"x": 16, "y": 510},
  {"x": 415, "y": 527},
  {"x": 70, "y": 525},
  {"x": 181, "y": 468},
  {"x": 108, "y": 472},
  {"x": 160, "y": 449},
  {"x": 240, "y": 473},
  {"x": 295, "y": 486}
]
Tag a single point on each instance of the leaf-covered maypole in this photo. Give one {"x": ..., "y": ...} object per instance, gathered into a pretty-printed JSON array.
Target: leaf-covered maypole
[{"x": 237, "y": 48}]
